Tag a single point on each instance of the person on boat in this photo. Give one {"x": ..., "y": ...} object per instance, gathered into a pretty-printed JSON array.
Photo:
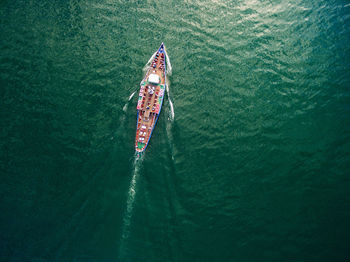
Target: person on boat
[{"x": 151, "y": 90}]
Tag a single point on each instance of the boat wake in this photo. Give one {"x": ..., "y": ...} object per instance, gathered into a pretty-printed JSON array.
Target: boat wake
[
  {"x": 169, "y": 124},
  {"x": 169, "y": 132},
  {"x": 169, "y": 71},
  {"x": 131, "y": 95},
  {"x": 136, "y": 166},
  {"x": 169, "y": 68},
  {"x": 171, "y": 111},
  {"x": 125, "y": 107},
  {"x": 122, "y": 118}
]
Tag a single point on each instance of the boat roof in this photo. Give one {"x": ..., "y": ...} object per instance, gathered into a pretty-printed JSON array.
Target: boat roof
[{"x": 154, "y": 78}]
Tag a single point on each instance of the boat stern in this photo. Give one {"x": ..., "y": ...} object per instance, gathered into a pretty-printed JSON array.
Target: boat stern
[{"x": 140, "y": 147}]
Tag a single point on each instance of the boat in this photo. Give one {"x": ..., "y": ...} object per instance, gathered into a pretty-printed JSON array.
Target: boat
[{"x": 151, "y": 96}]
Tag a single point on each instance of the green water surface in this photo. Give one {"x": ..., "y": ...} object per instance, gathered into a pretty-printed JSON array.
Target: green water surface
[{"x": 254, "y": 165}]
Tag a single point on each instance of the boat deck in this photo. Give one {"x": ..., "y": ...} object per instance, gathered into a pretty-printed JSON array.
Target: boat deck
[{"x": 150, "y": 101}]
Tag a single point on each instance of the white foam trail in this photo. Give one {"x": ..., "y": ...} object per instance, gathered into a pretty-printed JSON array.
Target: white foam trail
[
  {"x": 169, "y": 71},
  {"x": 169, "y": 68},
  {"x": 125, "y": 107},
  {"x": 169, "y": 126},
  {"x": 131, "y": 95},
  {"x": 171, "y": 112},
  {"x": 167, "y": 86},
  {"x": 130, "y": 202}
]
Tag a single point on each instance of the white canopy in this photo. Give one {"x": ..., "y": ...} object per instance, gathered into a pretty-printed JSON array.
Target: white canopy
[{"x": 153, "y": 78}]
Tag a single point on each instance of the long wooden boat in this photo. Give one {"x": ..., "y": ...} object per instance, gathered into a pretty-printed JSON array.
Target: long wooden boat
[{"x": 150, "y": 98}]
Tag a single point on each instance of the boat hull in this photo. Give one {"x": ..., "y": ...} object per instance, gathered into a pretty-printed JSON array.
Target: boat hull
[{"x": 150, "y": 100}]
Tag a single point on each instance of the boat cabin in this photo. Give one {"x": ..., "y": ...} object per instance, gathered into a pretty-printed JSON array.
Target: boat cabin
[{"x": 154, "y": 79}]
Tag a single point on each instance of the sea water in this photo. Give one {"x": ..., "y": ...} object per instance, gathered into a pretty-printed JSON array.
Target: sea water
[{"x": 249, "y": 160}]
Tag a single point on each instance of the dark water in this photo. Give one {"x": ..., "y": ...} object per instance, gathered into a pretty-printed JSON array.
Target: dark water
[{"x": 253, "y": 167}]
